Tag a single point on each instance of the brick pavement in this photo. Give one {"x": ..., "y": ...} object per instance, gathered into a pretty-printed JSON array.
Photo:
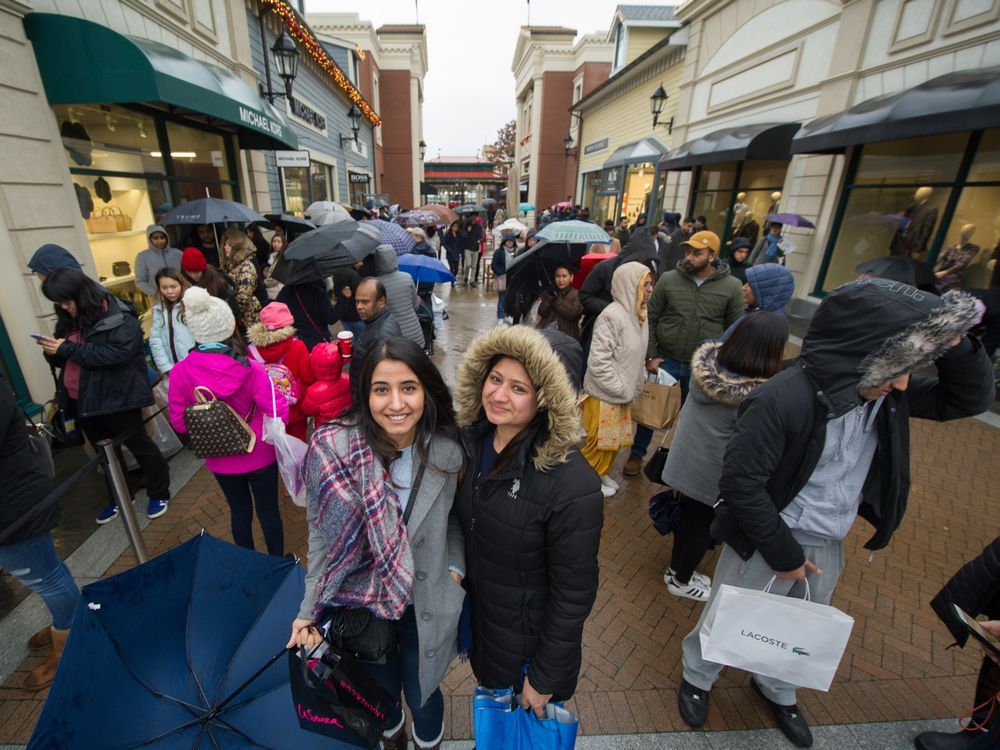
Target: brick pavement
[{"x": 897, "y": 666}]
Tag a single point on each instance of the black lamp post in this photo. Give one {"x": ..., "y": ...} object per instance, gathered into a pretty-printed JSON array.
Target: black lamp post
[
  {"x": 656, "y": 102},
  {"x": 423, "y": 149},
  {"x": 354, "y": 119},
  {"x": 286, "y": 57},
  {"x": 568, "y": 144}
]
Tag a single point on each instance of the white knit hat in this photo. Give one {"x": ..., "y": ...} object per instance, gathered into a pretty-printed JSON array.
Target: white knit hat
[{"x": 209, "y": 318}]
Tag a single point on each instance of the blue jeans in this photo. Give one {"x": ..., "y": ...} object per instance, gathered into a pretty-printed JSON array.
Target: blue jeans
[
  {"x": 501, "y": 302},
  {"x": 263, "y": 483},
  {"x": 681, "y": 371},
  {"x": 34, "y": 563},
  {"x": 401, "y": 672}
]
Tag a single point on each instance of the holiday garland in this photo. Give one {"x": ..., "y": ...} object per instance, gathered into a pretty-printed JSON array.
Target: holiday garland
[{"x": 304, "y": 36}]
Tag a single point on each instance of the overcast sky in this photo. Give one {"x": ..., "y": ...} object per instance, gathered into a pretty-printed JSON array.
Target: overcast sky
[{"x": 469, "y": 87}]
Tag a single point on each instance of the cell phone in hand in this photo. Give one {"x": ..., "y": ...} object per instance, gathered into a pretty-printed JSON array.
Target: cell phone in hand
[
  {"x": 977, "y": 631},
  {"x": 37, "y": 336}
]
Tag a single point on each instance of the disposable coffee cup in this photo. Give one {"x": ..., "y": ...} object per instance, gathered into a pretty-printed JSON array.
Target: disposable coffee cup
[{"x": 345, "y": 343}]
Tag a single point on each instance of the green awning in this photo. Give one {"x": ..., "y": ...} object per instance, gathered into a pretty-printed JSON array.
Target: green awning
[{"x": 82, "y": 62}]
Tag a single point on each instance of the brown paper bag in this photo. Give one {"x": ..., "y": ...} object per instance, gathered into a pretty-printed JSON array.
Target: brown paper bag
[{"x": 656, "y": 406}]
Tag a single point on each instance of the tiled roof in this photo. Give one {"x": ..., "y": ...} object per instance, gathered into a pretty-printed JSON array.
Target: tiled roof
[{"x": 646, "y": 12}]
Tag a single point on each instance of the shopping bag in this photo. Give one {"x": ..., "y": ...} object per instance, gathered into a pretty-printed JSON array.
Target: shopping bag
[
  {"x": 289, "y": 451},
  {"x": 159, "y": 429},
  {"x": 499, "y": 723},
  {"x": 795, "y": 640},
  {"x": 657, "y": 405}
]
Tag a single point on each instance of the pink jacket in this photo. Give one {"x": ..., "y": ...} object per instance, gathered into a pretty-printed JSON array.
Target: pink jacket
[{"x": 241, "y": 387}]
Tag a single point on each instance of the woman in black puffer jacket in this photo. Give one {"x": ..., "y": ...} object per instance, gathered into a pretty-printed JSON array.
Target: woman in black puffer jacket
[{"x": 532, "y": 512}]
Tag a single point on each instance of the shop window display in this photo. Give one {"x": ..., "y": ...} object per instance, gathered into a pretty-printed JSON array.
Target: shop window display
[
  {"x": 296, "y": 181},
  {"x": 735, "y": 197},
  {"x": 978, "y": 213}
]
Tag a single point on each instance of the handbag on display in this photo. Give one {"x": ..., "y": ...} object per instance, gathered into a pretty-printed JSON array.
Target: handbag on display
[
  {"x": 121, "y": 268},
  {"x": 101, "y": 224},
  {"x": 123, "y": 222},
  {"x": 215, "y": 428}
]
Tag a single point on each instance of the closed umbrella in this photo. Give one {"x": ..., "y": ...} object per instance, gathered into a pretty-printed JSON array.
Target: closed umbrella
[
  {"x": 574, "y": 231},
  {"x": 513, "y": 187},
  {"x": 211, "y": 211},
  {"x": 424, "y": 268},
  {"x": 394, "y": 235}
]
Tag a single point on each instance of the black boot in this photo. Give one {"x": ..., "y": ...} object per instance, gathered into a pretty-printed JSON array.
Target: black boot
[
  {"x": 790, "y": 720},
  {"x": 692, "y": 703},
  {"x": 945, "y": 740}
]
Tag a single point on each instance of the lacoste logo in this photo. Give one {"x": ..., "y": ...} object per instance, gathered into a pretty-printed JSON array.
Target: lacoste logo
[
  {"x": 515, "y": 487},
  {"x": 799, "y": 651}
]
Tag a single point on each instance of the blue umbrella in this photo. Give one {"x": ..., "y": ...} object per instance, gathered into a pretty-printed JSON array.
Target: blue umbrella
[
  {"x": 393, "y": 234},
  {"x": 526, "y": 207},
  {"x": 180, "y": 652},
  {"x": 211, "y": 211},
  {"x": 425, "y": 268},
  {"x": 574, "y": 231}
]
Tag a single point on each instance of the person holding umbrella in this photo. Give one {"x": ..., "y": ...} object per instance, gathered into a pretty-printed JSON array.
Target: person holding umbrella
[
  {"x": 561, "y": 308},
  {"x": 203, "y": 237},
  {"x": 238, "y": 265},
  {"x": 452, "y": 242},
  {"x": 502, "y": 256}
]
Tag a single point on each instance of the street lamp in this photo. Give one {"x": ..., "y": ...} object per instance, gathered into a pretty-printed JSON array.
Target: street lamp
[
  {"x": 286, "y": 57},
  {"x": 354, "y": 119},
  {"x": 568, "y": 144},
  {"x": 656, "y": 102},
  {"x": 423, "y": 149}
]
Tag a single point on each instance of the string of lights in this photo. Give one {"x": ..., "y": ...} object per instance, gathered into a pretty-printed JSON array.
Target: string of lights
[{"x": 302, "y": 34}]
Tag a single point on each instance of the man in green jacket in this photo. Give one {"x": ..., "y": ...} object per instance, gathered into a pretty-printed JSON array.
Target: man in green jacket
[{"x": 697, "y": 300}]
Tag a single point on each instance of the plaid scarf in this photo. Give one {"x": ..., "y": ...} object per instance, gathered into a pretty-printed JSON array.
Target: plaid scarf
[{"x": 357, "y": 512}]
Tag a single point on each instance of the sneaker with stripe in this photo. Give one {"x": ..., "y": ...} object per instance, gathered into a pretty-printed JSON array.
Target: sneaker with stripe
[{"x": 693, "y": 589}]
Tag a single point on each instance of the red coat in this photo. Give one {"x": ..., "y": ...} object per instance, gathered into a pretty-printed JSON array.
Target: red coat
[
  {"x": 292, "y": 353},
  {"x": 330, "y": 395}
]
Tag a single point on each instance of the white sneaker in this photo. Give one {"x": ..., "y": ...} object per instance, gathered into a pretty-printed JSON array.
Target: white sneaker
[
  {"x": 693, "y": 589},
  {"x": 607, "y": 491},
  {"x": 607, "y": 481},
  {"x": 695, "y": 576}
]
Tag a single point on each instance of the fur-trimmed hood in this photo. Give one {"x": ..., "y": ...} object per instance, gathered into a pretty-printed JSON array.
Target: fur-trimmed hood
[
  {"x": 716, "y": 383},
  {"x": 870, "y": 331},
  {"x": 259, "y": 335},
  {"x": 556, "y": 395}
]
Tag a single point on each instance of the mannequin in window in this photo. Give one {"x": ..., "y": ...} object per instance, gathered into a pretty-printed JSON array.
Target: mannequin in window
[
  {"x": 955, "y": 260},
  {"x": 992, "y": 262},
  {"x": 912, "y": 238},
  {"x": 774, "y": 208},
  {"x": 746, "y": 226},
  {"x": 740, "y": 204}
]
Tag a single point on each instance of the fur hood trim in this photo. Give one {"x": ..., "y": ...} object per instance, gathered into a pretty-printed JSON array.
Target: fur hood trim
[
  {"x": 718, "y": 384},
  {"x": 555, "y": 393},
  {"x": 922, "y": 343},
  {"x": 259, "y": 335}
]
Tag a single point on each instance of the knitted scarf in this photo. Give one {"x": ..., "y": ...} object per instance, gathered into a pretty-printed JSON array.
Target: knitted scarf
[{"x": 369, "y": 563}]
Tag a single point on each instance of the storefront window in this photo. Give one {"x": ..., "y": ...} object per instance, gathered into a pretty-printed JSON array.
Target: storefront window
[
  {"x": 605, "y": 207},
  {"x": 319, "y": 175},
  {"x": 912, "y": 161},
  {"x": 109, "y": 138},
  {"x": 296, "y": 181},
  {"x": 986, "y": 167},
  {"x": 638, "y": 186},
  {"x": 197, "y": 154},
  {"x": 591, "y": 184},
  {"x": 717, "y": 176},
  {"x": 661, "y": 192},
  {"x": 977, "y": 222},
  {"x": 357, "y": 182},
  {"x": 734, "y": 197}
]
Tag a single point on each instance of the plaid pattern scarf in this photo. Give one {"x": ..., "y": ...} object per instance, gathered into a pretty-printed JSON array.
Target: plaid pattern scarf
[{"x": 357, "y": 512}]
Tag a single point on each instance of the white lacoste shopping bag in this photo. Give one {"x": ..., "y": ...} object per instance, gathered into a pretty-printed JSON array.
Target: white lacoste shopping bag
[{"x": 794, "y": 640}]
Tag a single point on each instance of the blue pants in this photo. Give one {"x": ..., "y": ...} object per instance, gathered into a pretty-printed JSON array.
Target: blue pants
[
  {"x": 263, "y": 484},
  {"x": 34, "y": 563},
  {"x": 401, "y": 672},
  {"x": 501, "y": 302},
  {"x": 681, "y": 371}
]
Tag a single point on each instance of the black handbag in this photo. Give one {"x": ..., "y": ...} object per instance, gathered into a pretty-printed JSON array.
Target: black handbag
[
  {"x": 653, "y": 470},
  {"x": 60, "y": 423},
  {"x": 121, "y": 268},
  {"x": 362, "y": 635}
]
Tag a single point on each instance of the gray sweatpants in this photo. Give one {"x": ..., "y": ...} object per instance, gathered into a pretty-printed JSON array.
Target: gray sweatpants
[{"x": 754, "y": 574}]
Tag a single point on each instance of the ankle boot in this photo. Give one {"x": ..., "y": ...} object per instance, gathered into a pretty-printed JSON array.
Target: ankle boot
[
  {"x": 41, "y": 642},
  {"x": 398, "y": 740},
  {"x": 42, "y": 675}
]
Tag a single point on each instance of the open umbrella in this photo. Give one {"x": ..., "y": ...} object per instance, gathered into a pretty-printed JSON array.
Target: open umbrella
[
  {"x": 418, "y": 218},
  {"x": 470, "y": 208},
  {"x": 326, "y": 212},
  {"x": 425, "y": 268},
  {"x": 574, "y": 231},
  {"x": 898, "y": 268},
  {"x": 511, "y": 226},
  {"x": 790, "y": 220},
  {"x": 211, "y": 211},
  {"x": 532, "y": 270},
  {"x": 393, "y": 234},
  {"x": 564, "y": 204},
  {"x": 526, "y": 207},
  {"x": 335, "y": 245},
  {"x": 376, "y": 203},
  {"x": 292, "y": 224},
  {"x": 489, "y": 201},
  {"x": 218, "y": 613},
  {"x": 446, "y": 214}
]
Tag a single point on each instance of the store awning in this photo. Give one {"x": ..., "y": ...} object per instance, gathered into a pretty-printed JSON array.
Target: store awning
[
  {"x": 964, "y": 100},
  {"x": 769, "y": 140},
  {"x": 650, "y": 149},
  {"x": 82, "y": 62}
]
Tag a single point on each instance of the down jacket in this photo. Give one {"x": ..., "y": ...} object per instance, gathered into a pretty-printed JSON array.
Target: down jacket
[
  {"x": 330, "y": 396},
  {"x": 400, "y": 294},
  {"x": 166, "y": 329},
  {"x": 532, "y": 527},
  {"x": 975, "y": 588},
  {"x": 772, "y": 286}
]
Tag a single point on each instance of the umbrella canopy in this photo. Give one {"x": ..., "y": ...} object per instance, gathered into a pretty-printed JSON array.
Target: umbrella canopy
[
  {"x": 511, "y": 226},
  {"x": 425, "y": 268},
  {"x": 211, "y": 211},
  {"x": 470, "y": 208},
  {"x": 446, "y": 214},
  {"x": 292, "y": 224},
  {"x": 219, "y": 612},
  {"x": 526, "y": 207},
  {"x": 489, "y": 201},
  {"x": 790, "y": 220},
  {"x": 898, "y": 268},
  {"x": 564, "y": 204},
  {"x": 376, "y": 203},
  {"x": 334, "y": 245},
  {"x": 574, "y": 231},
  {"x": 393, "y": 234},
  {"x": 418, "y": 218},
  {"x": 326, "y": 212}
]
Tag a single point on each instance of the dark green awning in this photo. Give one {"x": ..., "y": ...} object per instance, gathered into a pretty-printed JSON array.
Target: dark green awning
[{"x": 82, "y": 62}]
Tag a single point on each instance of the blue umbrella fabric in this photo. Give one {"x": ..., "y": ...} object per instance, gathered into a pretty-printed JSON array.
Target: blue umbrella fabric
[
  {"x": 165, "y": 656},
  {"x": 211, "y": 211},
  {"x": 573, "y": 231},
  {"x": 526, "y": 207},
  {"x": 425, "y": 268},
  {"x": 790, "y": 220},
  {"x": 393, "y": 234}
]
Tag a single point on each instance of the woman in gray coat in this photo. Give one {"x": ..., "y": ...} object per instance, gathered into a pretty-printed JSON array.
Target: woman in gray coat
[
  {"x": 400, "y": 293},
  {"x": 722, "y": 375},
  {"x": 393, "y": 461}
]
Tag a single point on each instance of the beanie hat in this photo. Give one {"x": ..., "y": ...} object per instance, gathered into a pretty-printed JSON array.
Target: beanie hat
[
  {"x": 276, "y": 315},
  {"x": 192, "y": 259},
  {"x": 209, "y": 318}
]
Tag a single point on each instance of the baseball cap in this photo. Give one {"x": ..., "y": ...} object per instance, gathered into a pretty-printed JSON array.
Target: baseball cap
[{"x": 702, "y": 239}]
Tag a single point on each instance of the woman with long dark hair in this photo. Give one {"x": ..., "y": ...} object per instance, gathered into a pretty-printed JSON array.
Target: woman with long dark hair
[
  {"x": 170, "y": 340},
  {"x": 722, "y": 375},
  {"x": 382, "y": 536},
  {"x": 98, "y": 347}
]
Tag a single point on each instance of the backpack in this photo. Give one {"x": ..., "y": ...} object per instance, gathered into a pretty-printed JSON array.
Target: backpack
[
  {"x": 215, "y": 429},
  {"x": 284, "y": 381}
]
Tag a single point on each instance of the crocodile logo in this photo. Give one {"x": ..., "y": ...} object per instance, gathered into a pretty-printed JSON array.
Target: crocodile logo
[{"x": 799, "y": 651}]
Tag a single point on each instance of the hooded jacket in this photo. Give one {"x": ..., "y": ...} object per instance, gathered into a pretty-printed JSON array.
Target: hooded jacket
[
  {"x": 281, "y": 346},
  {"x": 241, "y": 383},
  {"x": 151, "y": 261},
  {"x": 400, "y": 294},
  {"x": 772, "y": 286},
  {"x": 705, "y": 424},
  {"x": 330, "y": 395},
  {"x": 864, "y": 334},
  {"x": 595, "y": 292},
  {"x": 616, "y": 365},
  {"x": 532, "y": 526},
  {"x": 682, "y": 314},
  {"x": 49, "y": 258},
  {"x": 503, "y": 255},
  {"x": 168, "y": 328}
]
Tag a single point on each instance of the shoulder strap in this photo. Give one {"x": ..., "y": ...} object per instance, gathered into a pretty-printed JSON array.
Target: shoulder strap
[
  {"x": 413, "y": 494},
  {"x": 308, "y": 316},
  {"x": 252, "y": 349}
]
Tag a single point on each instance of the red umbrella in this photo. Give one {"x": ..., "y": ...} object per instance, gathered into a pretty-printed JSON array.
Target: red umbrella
[{"x": 446, "y": 214}]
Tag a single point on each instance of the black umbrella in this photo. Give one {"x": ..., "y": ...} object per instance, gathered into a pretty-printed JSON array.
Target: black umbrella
[
  {"x": 334, "y": 245},
  {"x": 211, "y": 211},
  {"x": 292, "y": 224},
  {"x": 531, "y": 272},
  {"x": 469, "y": 208},
  {"x": 360, "y": 213},
  {"x": 299, "y": 271},
  {"x": 899, "y": 268}
]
